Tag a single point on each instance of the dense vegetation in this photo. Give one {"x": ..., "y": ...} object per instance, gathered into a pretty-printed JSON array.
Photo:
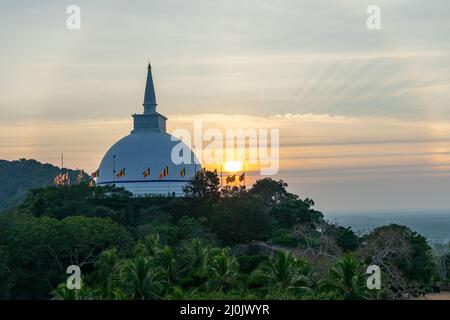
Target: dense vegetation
[
  {"x": 212, "y": 244},
  {"x": 19, "y": 176}
]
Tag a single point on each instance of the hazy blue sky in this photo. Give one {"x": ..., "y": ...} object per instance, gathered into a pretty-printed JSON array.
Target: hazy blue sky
[{"x": 364, "y": 114}]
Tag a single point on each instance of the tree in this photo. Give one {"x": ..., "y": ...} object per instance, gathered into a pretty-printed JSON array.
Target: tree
[
  {"x": 221, "y": 270},
  {"x": 149, "y": 246},
  {"x": 270, "y": 191},
  {"x": 347, "y": 279},
  {"x": 106, "y": 278},
  {"x": 192, "y": 258},
  {"x": 165, "y": 229},
  {"x": 206, "y": 184},
  {"x": 39, "y": 250},
  {"x": 283, "y": 272},
  {"x": 233, "y": 220},
  {"x": 291, "y": 212},
  {"x": 64, "y": 293},
  {"x": 346, "y": 238},
  {"x": 403, "y": 255},
  {"x": 84, "y": 238},
  {"x": 442, "y": 254},
  {"x": 165, "y": 261},
  {"x": 190, "y": 228},
  {"x": 77, "y": 200},
  {"x": 232, "y": 191},
  {"x": 318, "y": 245},
  {"x": 141, "y": 280}
]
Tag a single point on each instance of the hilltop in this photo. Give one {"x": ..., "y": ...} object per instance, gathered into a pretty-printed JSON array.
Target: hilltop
[{"x": 17, "y": 177}]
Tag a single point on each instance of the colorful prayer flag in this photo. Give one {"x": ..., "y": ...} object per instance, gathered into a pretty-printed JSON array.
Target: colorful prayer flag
[
  {"x": 80, "y": 176},
  {"x": 121, "y": 173},
  {"x": 231, "y": 178},
  {"x": 95, "y": 174},
  {"x": 164, "y": 173},
  {"x": 147, "y": 172}
]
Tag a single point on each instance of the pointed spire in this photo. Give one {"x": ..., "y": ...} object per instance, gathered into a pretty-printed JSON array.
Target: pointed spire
[
  {"x": 149, "y": 97},
  {"x": 150, "y": 119}
]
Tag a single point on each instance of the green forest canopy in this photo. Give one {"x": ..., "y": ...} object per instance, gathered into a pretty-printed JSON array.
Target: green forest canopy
[{"x": 260, "y": 243}]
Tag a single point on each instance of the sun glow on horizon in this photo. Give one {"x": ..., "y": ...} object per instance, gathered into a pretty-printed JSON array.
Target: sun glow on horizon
[{"x": 233, "y": 166}]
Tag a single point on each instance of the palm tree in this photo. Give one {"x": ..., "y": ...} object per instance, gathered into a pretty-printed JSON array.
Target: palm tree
[
  {"x": 178, "y": 294},
  {"x": 283, "y": 272},
  {"x": 141, "y": 280},
  {"x": 222, "y": 270},
  {"x": 63, "y": 293},
  {"x": 192, "y": 263},
  {"x": 347, "y": 279},
  {"x": 165, "y": 260},
  {"x": 107, "y": 275},
  {"x": 150, "y": 246},
  {"x": 85, "y": 293},
  {"x": 196, "y": 251}
]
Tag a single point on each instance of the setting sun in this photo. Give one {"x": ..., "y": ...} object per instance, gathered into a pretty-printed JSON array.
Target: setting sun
[{"x": 233, "y": 166}]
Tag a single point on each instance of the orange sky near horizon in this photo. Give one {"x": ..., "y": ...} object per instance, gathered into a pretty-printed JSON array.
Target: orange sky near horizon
[{"x": 313, "y": 148}]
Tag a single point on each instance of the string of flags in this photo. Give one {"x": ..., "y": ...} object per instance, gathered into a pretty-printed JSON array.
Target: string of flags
[
  {"x": 164, "y": 173},
  {"x": 146, "y": 173},
  {"x": 62, "y": 179},
  {"x": 229, "y": 179}
]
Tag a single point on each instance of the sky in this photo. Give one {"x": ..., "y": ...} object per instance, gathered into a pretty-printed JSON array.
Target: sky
[{"x": 363, "y": 114}]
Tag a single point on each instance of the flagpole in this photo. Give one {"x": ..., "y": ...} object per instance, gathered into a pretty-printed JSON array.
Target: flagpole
[
  {"x": 195, "y": 162},
  {"x": 221, "y": 174},
  {"x": 114, "y": 169},
  {"x": 244, "y": 176}
]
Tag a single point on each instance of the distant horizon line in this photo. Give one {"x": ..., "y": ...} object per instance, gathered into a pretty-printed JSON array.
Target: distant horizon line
[{"x": 414, "y": 211}]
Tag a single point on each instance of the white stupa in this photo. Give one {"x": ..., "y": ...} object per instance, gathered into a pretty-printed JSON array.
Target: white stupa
[{"x": 141, "y": 162}]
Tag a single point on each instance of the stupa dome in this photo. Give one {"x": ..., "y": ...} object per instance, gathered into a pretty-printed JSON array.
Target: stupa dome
[{"x": 142, "y": 161}]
